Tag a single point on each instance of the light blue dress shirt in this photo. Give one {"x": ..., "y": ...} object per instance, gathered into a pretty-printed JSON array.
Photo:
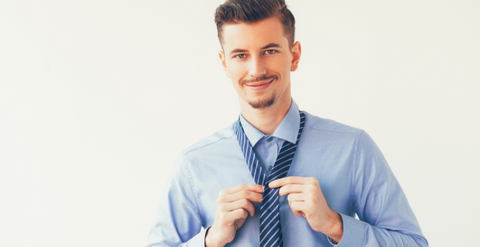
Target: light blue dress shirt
[{"x": 352, "y": 172}]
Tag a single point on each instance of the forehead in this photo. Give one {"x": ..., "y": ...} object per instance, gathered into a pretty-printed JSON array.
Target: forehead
[{"x": 253, "y": 35}]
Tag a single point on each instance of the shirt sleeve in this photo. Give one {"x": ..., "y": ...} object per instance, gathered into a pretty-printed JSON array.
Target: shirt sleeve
[
  {"x": 178, "y": 220},
  {"x": 386, "y": 218}
]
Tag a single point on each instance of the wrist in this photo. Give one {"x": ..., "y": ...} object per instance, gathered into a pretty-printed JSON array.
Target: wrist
[
  {"x": 335, "y": 229},
  {"x": 211, "y": 240}
]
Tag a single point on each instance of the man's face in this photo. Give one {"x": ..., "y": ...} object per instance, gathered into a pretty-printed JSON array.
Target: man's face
[{"x": 258, "y": 59}]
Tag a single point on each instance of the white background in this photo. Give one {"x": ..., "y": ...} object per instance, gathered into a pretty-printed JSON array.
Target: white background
[{"x": 98, "y": 98}]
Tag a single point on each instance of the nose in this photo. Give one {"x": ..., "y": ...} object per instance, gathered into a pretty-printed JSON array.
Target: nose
[{"x": 257, "y": 67}]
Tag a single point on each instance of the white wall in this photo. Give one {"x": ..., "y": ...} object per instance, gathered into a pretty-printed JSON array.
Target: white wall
[{"x": 97, "y": 99}]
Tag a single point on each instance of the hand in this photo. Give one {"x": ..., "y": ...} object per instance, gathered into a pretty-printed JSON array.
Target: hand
[
  {"x": 233, "y": 207},
  {"x": 306, "y": 199}
]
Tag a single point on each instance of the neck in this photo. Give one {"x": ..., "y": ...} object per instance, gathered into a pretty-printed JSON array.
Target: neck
[{"x": 266, "y": 120}]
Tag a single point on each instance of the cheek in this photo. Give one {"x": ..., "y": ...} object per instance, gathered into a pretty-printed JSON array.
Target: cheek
[
  {"x": 282, "y": 65},
  {"x": 235, "y": 72}
]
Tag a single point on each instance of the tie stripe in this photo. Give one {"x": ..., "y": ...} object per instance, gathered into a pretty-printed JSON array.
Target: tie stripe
[{"x": 270, "y": 228}]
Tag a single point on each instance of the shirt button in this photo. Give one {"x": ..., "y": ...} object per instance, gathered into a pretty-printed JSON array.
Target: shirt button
[
  {"x": 270, "y": 168},
  {"x": 269, "y": 139}
]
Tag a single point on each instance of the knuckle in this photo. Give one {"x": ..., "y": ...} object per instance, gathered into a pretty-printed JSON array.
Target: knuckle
[
  {"x": 259, "y": 198},
  {"x": 230, "y": 221},
  {"x": 221, "y": 207},
  {"x": 310, "y": 195},
  {"x": 221, "y": 198},
  {"x": 222, "y": 192},
  {"x": 242, "y": 214},
  {"x": 289, "y": 199}
]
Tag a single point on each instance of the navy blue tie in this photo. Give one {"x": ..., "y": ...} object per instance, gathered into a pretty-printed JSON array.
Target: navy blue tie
[{"x": 270, "y": 229}]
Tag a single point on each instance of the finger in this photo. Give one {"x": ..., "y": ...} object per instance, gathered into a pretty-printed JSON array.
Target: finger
[
  {"x": 292, "y": 188},
  {"x": 254, "y": 197},
  {"x": 241, "y": 204},
  {"x": 287, "y": 180},
  {"x": 249, "y": 187},
  {"x": 298, "y": 207},
  {"x": 235, "y": 215},
  {"x": 296, "y": 197}
]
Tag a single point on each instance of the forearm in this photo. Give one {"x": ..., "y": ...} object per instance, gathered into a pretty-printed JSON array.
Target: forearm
[
  {"x": 178, "y": 221},
  {"x": 160, "y": 240},
  {"x": 335, "y": 228},
  {"x": 211, "y": 240},
  {"x": 386, "y": 218},
  {"x": 359, "y": 233}
]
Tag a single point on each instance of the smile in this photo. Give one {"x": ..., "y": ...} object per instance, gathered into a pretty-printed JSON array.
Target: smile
[{"x": 260, "y": 85}]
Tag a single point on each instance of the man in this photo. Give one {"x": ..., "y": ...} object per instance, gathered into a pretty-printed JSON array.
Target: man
[{"x": 278, "y": 176}]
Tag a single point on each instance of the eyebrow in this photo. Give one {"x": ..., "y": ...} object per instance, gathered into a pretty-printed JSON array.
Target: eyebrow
[
  {"x": 271, "y": 45},
  {"x": 237, "y": 51}
]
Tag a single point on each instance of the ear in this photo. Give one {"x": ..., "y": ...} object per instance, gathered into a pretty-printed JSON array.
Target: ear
[
  {"x": 221, "y": 55},
  {"x": 296, "y": 53}
]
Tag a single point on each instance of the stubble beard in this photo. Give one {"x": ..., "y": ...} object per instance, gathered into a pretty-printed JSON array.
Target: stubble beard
[{"x": 262, "y": 103}]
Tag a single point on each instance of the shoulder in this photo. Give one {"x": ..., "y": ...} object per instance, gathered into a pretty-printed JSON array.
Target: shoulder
[
  {"x": 212, "y": 142},
  {"x": 338, "y": 136},
  {"x": 314, "y": 123},
  {"x": 211, "y": 153}
]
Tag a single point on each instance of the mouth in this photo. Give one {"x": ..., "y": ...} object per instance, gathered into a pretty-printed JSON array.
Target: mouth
[{"x": 259, "y": 85}]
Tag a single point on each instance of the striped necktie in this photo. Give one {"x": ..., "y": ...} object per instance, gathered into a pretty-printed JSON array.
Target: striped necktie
[{"x": 270, "y": 229}]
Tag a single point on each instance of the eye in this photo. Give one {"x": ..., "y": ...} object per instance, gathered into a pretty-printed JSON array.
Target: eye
[
  {"x": 270, "y": 52},
  {"x": 240, "y": 56}
]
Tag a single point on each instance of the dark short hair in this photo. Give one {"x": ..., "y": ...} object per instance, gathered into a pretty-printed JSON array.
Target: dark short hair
[{"x": 251, "y": 11}]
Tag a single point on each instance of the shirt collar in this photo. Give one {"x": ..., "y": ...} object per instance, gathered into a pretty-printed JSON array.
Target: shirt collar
[{"x": 286, "y": 130}]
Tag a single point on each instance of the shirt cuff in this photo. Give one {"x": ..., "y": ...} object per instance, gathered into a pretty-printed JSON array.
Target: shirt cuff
[
  {"x": 199, "y": 239},
  {"x": 353, "y": 232},
  {"x": 205, "y": 236}
]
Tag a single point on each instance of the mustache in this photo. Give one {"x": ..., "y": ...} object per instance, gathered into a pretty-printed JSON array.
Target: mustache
[{"x": 261, "y": 78}]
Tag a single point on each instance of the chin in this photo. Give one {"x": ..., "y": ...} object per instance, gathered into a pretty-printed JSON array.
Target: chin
[{"x": 261, "y": 104}]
